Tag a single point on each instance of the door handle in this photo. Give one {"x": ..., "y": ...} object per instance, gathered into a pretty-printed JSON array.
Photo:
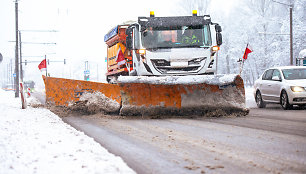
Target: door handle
[{"x": 269, "y": 84}]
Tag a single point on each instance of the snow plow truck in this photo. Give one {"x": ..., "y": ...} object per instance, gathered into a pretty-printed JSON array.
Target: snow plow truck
[
  {"x": 163, "y": 46},
  {"x": 160, "y": 66}
]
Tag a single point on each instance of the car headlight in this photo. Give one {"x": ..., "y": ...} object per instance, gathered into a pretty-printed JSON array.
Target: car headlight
[{"x": 297, "y": 88}]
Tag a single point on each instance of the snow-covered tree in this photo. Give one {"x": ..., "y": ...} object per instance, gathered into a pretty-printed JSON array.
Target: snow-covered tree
[
  {"x": 188, "y": 5},
  {"x": 264, "y": 24}
]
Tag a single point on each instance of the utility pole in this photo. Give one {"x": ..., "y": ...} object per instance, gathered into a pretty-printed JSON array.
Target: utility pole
[
  {"x": 291, "y": 32},
  {"x": 16, "y": 53},
  {"x": 10, "y": 72},
  {"x": 86, "y": 71},
  {"x": 291, "y": 36},
  {"x": 97, "y": 72},
  {"x": 20, "y": 54}
]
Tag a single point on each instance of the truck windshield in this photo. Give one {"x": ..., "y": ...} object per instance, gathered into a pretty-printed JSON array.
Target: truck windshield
[{"x": 175, "y": 37}]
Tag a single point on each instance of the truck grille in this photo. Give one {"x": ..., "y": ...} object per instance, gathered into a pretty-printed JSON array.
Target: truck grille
[
  {"x": 171, "y": 70},
  {"x": 164, "y": 66},
  {"x": 160, "y": 62}
]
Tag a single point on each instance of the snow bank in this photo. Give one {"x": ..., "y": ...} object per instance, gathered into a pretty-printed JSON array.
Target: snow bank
[
  {"x": 98, "y": 102},
  {"x": 249, "y": 98},
  {"x": 171, "y": 80},
  {"x": 95, "y": 103},
  {"x": 37, "y": 141}
]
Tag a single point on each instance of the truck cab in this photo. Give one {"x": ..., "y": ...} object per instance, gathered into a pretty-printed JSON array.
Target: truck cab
[{"x": 182, "y": 45}]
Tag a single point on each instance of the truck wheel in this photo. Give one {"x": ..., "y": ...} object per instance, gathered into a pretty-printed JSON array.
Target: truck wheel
[
  {"x": 111, "y": 79},
  {"x": 107, "y": 79},
  {"x": 260, "y": 103},
  {"x": 284, "y": 101},
  {"x": 133, "y": 73}
]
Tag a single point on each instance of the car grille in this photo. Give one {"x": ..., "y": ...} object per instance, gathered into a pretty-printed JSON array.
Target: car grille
[{"x": 300, "y": 99}]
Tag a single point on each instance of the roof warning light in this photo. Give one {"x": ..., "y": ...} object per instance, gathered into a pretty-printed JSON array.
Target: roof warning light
[{"x": 194, "y": 12}]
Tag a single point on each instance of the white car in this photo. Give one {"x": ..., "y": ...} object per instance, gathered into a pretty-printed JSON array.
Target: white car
[{"x": 283, "y": 85}]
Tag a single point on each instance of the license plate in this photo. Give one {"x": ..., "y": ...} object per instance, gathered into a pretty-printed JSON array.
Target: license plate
[{"x": 179, "y": 64}]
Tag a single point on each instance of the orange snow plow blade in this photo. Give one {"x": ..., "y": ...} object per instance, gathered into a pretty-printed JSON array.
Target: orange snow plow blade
[
  {"x": 159, "y": 95},
  {"x": 63, "y": 92}
]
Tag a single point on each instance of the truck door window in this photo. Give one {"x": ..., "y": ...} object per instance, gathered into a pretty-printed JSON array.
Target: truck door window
[
  {"x": 206, "y": 33},
  {"x": 136, "y": 40}
]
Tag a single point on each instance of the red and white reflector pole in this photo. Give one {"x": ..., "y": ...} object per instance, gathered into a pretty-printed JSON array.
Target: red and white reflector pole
[{"x": 23, "y": 100}]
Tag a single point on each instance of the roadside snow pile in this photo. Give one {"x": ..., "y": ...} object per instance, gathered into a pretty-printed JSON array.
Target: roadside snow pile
[
  {"x": 34, "y": 102},
  {"x": 172, "y": 80},
  {"x": 96, "y": 103},
  {"x": 249, "y": 98},
  {"x": 35, "y": 140}
]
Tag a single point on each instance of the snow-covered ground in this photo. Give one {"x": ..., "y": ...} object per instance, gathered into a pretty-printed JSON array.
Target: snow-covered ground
[
  {"x": 249, "y": 97},
  {"x": 34, "y": 140}
]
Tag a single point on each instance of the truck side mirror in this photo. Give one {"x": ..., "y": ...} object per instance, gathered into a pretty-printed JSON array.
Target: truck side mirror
[
  {"x": 1, "y": 57},
  {"x": 218, "y": 28},
  {"x": 129, "y": 40},
  {"x": 219, "y": 38}
]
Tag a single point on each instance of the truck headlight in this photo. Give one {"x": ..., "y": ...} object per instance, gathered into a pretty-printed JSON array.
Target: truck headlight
[
  {"x": 142, "y": 53},
  {"x": 297, "y": 88},
  {"x": 215, "y": 48}
]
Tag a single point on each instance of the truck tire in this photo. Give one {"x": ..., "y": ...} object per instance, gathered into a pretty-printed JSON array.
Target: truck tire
[
  {"x": 107, "y": 79},
  {"x": 133, "y": 73}
]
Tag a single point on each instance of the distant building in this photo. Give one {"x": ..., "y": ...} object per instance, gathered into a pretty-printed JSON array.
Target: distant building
[{"x": 301, "y": 60}]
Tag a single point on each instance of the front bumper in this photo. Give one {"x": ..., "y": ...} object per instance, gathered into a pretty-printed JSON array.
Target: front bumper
[{"x": 296, "y": 98}]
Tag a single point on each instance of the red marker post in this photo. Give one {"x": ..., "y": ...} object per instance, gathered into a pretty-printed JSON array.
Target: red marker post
[{"x": 23, "y": 100}]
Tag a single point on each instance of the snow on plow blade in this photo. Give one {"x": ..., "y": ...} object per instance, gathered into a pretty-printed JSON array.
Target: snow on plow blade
[
  {"x": 182, "y": 95},
  {"x": 176, "y": 95}
]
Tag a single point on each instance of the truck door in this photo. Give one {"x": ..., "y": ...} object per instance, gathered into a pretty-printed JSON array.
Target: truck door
[{"x": 131, "y": 45}]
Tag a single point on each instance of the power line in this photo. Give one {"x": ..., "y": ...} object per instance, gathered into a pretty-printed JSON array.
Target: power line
[
  {"x": 42, "y": 43},
  {"x": 39, "y": 30},
  {"x": 273, "y": 33},
  {"x": 282, "y": 3}
]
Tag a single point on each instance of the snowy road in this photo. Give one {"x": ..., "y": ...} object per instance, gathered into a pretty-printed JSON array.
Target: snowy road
[
  {"x": 36, "y": 140},
  {"x": 266, "y": 141}
]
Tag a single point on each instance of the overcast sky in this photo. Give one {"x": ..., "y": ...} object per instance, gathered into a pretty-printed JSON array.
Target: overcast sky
[{"x": 80, "y": 25}]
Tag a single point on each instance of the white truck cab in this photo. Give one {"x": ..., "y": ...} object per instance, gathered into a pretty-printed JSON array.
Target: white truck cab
[{"x": 183, "y": 45}]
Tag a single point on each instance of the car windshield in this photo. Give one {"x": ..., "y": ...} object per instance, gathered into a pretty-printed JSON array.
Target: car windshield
[
  {"x": 294, "y": 74},
  {"x": 174, "y": 37}
]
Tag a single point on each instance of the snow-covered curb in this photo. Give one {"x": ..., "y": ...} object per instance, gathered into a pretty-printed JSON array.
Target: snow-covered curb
[{"x": 37, "y": 141}]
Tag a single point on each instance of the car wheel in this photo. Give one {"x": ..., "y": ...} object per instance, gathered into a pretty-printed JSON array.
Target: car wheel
[
  {"x": 284, "y": 101},
  {"x": 260, "y": 103}
]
